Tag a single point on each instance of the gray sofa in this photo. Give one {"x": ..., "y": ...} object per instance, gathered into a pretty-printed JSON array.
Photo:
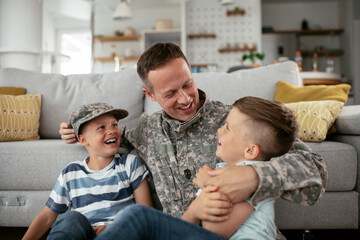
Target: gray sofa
[{"x": 28, "y": 169}]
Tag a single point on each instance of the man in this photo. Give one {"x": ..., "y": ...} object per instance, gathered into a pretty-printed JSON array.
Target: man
[{"x": 179, "y": 140}]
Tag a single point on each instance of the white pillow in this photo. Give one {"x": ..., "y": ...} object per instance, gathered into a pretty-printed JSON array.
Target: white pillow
[{"x": 258, "y": 82}]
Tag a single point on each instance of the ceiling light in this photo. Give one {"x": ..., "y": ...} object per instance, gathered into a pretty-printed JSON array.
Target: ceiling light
[{"x": 122, "y": 10}]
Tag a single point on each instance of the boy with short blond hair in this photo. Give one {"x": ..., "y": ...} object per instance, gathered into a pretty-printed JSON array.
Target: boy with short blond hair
[{"x": 97, "y": 188}]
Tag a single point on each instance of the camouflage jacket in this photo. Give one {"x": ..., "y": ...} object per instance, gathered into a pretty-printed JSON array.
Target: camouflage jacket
[{"x": 175, "y": 150}]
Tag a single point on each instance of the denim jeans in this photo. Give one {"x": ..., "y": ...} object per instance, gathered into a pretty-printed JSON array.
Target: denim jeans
[
  {"x": 134, "y": 222},
  {"x": 72, "y": 226},
  {"x": 142, "y": 222}
]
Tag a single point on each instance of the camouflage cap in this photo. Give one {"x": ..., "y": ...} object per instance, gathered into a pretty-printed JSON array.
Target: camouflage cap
[{"x": 88, "y": 112}]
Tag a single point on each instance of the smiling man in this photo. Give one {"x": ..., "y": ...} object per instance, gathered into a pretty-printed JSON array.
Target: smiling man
[
  {"x": 178, "y": 140},
  {"x": 174, "y": 89}
]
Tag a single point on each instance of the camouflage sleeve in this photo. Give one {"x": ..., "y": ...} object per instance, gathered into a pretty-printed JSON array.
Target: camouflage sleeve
[{"x": 299, "y": 176}]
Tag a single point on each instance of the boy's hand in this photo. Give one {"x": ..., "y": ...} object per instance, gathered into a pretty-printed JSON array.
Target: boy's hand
[
  {"x": 99, "y": 229},
  {"x": 202, "y": 176},
  {"x": 212, "y": 206},
  {"x": 67, "y": 133},
  {"x": 236, "y": 182}
]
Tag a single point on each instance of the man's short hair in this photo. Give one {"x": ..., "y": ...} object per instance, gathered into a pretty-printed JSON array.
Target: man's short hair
[
  {"x": 156, "y": 57},
  {"x": 271, "y": 125}
]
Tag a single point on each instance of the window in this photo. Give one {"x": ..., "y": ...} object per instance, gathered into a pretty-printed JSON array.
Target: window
[{"x": 77, "y": 45}]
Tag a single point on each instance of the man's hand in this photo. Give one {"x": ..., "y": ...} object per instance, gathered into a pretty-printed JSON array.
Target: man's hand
[
  {"x": 99, "y": 229},
  {"x": 202, "y": 175},
  {"x": 67, "y": 133},
  {"x": 237, "y": 182}
]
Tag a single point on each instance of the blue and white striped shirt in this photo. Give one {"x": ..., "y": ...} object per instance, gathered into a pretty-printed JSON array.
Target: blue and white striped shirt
[{"x": 99, "y": 195}]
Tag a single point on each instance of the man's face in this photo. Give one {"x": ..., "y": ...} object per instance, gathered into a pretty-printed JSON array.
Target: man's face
[
  {"x": 174, "y": 89},
  {"x": 232, "y": 144}
]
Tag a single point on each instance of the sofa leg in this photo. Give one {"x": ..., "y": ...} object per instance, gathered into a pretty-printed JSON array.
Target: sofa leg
[{"x": 307, "y": 235}]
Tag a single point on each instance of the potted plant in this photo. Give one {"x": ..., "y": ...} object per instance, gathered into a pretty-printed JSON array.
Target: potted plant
[{"x": 252, "y": 57}]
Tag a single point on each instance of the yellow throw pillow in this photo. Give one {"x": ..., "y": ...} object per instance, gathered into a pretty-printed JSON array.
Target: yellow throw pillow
[
  {"x": 12, "y": 90},
  {"x": 288, "y": 93},
  {"x": 315, "y": 118},
  {"x": 19, "y": 117}
]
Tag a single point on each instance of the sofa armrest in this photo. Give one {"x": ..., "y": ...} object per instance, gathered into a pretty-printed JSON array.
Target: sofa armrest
[{"x": 348, "y": 120}]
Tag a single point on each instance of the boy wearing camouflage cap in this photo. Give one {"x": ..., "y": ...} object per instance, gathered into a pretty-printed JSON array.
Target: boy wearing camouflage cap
[{"x": 98, "y": 187}]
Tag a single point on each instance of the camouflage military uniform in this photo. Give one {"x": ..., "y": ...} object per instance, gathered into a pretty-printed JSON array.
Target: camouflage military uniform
[{"x": 175, "y": 150}]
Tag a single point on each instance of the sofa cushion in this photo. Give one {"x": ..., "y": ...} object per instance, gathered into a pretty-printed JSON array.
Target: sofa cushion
[
  {"x": 63, "y": 94},
  {"x": 341, "y": 163},
  {"x": 258, "y": 82},
  {"x": 348, "y": 121},
  {"x": 19, "y": 117},
  {"x": 336, "y": 210},
  {"x": 288, "y": 93},
  {"x": 25, "y": 172},
  {"x": 22, "y": 216},
  {"x": 315, "y": 118}
]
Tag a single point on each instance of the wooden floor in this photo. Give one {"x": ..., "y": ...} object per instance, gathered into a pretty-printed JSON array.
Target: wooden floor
[{"x": 16, "y": 233}]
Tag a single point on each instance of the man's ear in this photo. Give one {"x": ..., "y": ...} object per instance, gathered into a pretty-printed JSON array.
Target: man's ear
[
  {"x": 148, "y": 94},
  {"x": 252, "y": 152}
]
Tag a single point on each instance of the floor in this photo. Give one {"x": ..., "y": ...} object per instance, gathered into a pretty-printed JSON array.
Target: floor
[
  {"x": 14, "y": 233},
  {"x": 322, "y": 234},
  {"x": 8, "y": 233}
]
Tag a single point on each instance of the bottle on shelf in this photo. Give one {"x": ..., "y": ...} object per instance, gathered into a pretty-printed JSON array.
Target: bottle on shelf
[
  {"x": 315, "y": 64},
  {"x": 298, "y": 60},
  {"x": 281, "y": 57},
  {"x": 329, "y": 64}
]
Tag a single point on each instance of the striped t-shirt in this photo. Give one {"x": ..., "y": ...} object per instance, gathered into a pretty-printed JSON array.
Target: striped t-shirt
[{"x": 99, "y": 195}]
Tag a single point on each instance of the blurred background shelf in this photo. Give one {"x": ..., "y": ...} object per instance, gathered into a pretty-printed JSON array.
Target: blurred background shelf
[
  {"x": 202, "y": 35},
  {"x": 117, "y": 38}
]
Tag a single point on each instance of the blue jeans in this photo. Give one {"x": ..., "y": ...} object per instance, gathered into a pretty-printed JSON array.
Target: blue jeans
[
  {"x": 72, "y": 226},
  {"x": 142, "y": 222},
  {"x": 134, "y": 222}
]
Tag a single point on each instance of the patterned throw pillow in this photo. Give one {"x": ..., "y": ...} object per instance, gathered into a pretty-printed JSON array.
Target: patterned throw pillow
[
  {"x": 315, "y": 118},
  {"x": 19, "y": 117}
]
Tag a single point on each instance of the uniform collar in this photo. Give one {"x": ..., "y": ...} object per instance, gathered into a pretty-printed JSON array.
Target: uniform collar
[{"x": 180, "y": 126}]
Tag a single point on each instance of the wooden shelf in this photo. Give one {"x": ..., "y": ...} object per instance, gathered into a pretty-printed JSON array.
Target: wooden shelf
[
  {"x": 224, "y": 50},
  {"x": 117, "y": 38},
  {"x": 111, "y": 59},
  {"x": 321, "y": 82},
  {"x": 306, "y": 32},
  {"x": 326, "y": 53},
  {"x": 235, "y": 12},
  {"x": 203, "y": 65},
  {"x": 202, "y": 35}
]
